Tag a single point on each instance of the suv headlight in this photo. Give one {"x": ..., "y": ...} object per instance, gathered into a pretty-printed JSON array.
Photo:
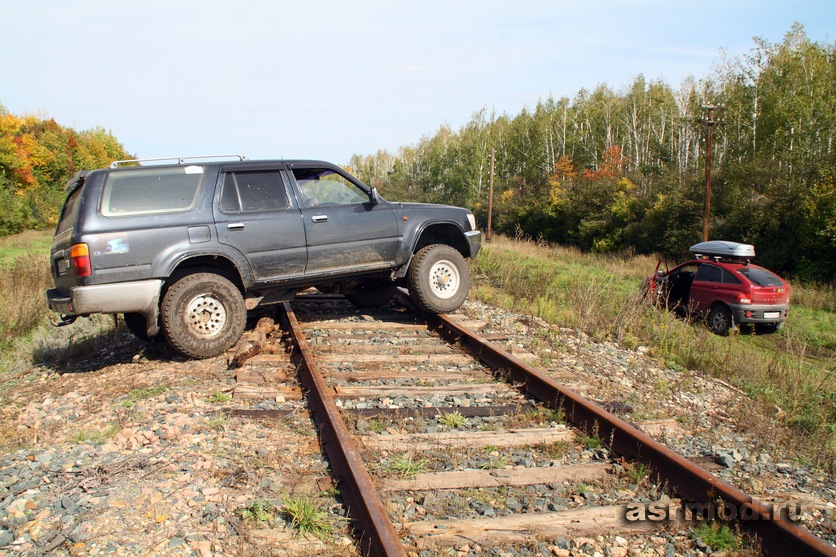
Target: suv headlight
[{"x": 472, "y": 220}]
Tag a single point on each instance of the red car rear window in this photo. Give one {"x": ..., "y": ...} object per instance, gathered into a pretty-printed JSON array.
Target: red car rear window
[{"x": 761, "y": 277}]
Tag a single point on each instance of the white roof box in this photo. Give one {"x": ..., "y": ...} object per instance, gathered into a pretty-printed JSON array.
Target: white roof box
[{"x": 720, "y": 248}]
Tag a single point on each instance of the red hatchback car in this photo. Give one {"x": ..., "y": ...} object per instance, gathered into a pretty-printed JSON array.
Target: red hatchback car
[{"x": 723, "y": 286}]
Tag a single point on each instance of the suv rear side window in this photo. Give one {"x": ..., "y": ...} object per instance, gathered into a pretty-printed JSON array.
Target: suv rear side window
[
  {"x": 151, "y": 190},
  {"x": 69, "y": 212},
  {"x": 248, "y": 192}
]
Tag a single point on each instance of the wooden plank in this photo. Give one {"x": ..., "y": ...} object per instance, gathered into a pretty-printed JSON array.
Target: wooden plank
[
  {"x": 364, "y": 326},
  {"x": 504, "y": 438},
  {"x": 420, "y": 336},
  {"x": 472, "y": 324},
  {"x": 261, "y": 377},
  {"x": 433, "y": 411},
  {"x": 438, "y": 390},
  {"x": 269, "y": 359},
  {"x": 523, "y": 528},
  {"x": 256, "y": 392},
  {"x": 289, "y": 538},
  {"x": 400, "y": 373},
  {"x": 393, "y": 349},
  {"x": 660, "y": 427},
  {"x": 395, "y": 359},
  {"x": 511, "y": 476}
]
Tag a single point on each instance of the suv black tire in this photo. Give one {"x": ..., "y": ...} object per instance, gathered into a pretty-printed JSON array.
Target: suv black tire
[
  {"x": 202, "y": 315},
  {"x": 372, "y": 294},
  {"x": 438, "y": 279}
]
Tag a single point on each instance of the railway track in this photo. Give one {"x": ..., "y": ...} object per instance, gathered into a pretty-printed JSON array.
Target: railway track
[{"x": 439, "y": 439}]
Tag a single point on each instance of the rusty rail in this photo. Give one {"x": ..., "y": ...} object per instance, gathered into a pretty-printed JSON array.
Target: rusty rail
[
  {"x": 376, "y": 531},
  {"x": 778, "y": 535}
]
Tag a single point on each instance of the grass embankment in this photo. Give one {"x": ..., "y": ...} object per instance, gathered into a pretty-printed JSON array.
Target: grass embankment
[
  {"x": 25, "y": 333},
  {"x": 599, "y": 294}
]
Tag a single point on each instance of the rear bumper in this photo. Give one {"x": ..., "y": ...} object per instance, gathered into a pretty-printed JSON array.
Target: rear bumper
[
  {"x": 760, "y": 314},
  {"x": 125, "y": 297}
]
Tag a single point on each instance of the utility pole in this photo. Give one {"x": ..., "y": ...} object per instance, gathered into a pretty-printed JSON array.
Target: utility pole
[
  {"x": 490, "y": 198},
  {"x": 710, "y": 123}
]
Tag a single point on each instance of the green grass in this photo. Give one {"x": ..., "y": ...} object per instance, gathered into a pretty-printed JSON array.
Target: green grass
[
  {"x": 219, "y": 397},
  {"x": 599, "y": 294},
  {"x": 258, "y": 511},
  {"x": 453, "y": 420},
  {"x": 95, "y": 436},
  {"x": 404, "y": 466},
  {"x": 26, "y": 243},
  {"x": 717, "y": 536},
  {"x": 137, "y": 395},
  {"x": 308, "y": 516}
]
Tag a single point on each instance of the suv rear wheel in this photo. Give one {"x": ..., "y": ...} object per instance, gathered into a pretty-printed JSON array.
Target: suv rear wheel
[
  {"x": 438, "y": 279},
  {"x": 202, "y": 315}
]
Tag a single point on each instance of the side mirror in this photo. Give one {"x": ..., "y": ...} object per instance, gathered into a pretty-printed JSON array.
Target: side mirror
[{"x": 373, "y": 198}]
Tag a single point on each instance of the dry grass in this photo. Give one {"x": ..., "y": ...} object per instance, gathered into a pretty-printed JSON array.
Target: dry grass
[
  {"x": 599, "y": 295},
  {"x": 23, "y": 286},
  {"x": 25, "y": 333}
]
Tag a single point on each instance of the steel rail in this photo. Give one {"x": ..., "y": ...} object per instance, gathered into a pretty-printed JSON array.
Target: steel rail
[
  {"x": 376, "y": 531},
  {"x": 778, "y": 535}
]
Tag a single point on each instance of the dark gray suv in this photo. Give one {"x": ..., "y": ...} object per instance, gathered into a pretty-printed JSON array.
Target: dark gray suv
[{"x": 186, "y": 249}]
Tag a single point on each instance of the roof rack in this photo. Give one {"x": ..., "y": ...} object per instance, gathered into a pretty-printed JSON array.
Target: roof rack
[{"x": 180, "y": 160}]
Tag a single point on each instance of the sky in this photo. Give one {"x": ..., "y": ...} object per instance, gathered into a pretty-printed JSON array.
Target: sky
[{"x": 326, "y": 79}]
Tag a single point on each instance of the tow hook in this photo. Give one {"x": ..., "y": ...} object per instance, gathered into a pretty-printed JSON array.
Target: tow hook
[{"x": 65, "y": 320}]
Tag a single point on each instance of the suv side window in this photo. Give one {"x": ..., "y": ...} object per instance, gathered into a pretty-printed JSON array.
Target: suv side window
[
  {"x": 252, "y": 191},
  {"x": 709, "y": 273},
  {"x": 326, "y": 187},
  {"x": 145, "y": 191}
]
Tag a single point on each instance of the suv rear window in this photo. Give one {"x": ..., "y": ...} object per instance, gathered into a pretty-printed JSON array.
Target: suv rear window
[{"x": 151, "y": 190}]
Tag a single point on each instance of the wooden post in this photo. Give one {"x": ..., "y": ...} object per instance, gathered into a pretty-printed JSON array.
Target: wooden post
[{"x": 709, "y": 122}]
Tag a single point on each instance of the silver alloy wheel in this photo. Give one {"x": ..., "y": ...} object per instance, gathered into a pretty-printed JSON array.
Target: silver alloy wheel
[
  {"x": 444, "y": 279},
  {"x": 205, "y": 316}
]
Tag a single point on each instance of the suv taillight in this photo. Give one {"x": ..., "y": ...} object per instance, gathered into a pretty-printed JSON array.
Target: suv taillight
[
  {"x": 744, "y": 299},
  {"x": 80, "y": 260}
]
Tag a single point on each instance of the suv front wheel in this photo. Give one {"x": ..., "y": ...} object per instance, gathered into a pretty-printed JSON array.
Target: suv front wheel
[
  {"x": 438, "y": 279},
  {"x": 202, "y": 315}
]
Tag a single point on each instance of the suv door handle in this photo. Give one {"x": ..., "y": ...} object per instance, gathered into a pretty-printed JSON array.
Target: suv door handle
[
  {"x": 319, "y": 218},
  {"x": 235, "y": 226}
]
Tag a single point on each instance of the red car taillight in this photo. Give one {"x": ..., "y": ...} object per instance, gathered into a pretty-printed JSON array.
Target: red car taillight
[
  {"x": 744, "y": 299},
  {"x": 80, "y": 260}
]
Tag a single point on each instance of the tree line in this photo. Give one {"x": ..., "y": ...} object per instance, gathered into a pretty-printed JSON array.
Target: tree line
[
  {"x": 37, "y": 157},
  {"x": 608, "y": 170},
  {"x": 624, "y": 171}
]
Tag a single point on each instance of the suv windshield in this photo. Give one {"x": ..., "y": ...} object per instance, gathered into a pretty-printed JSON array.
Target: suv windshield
[{"x": 761, "y": 277}]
